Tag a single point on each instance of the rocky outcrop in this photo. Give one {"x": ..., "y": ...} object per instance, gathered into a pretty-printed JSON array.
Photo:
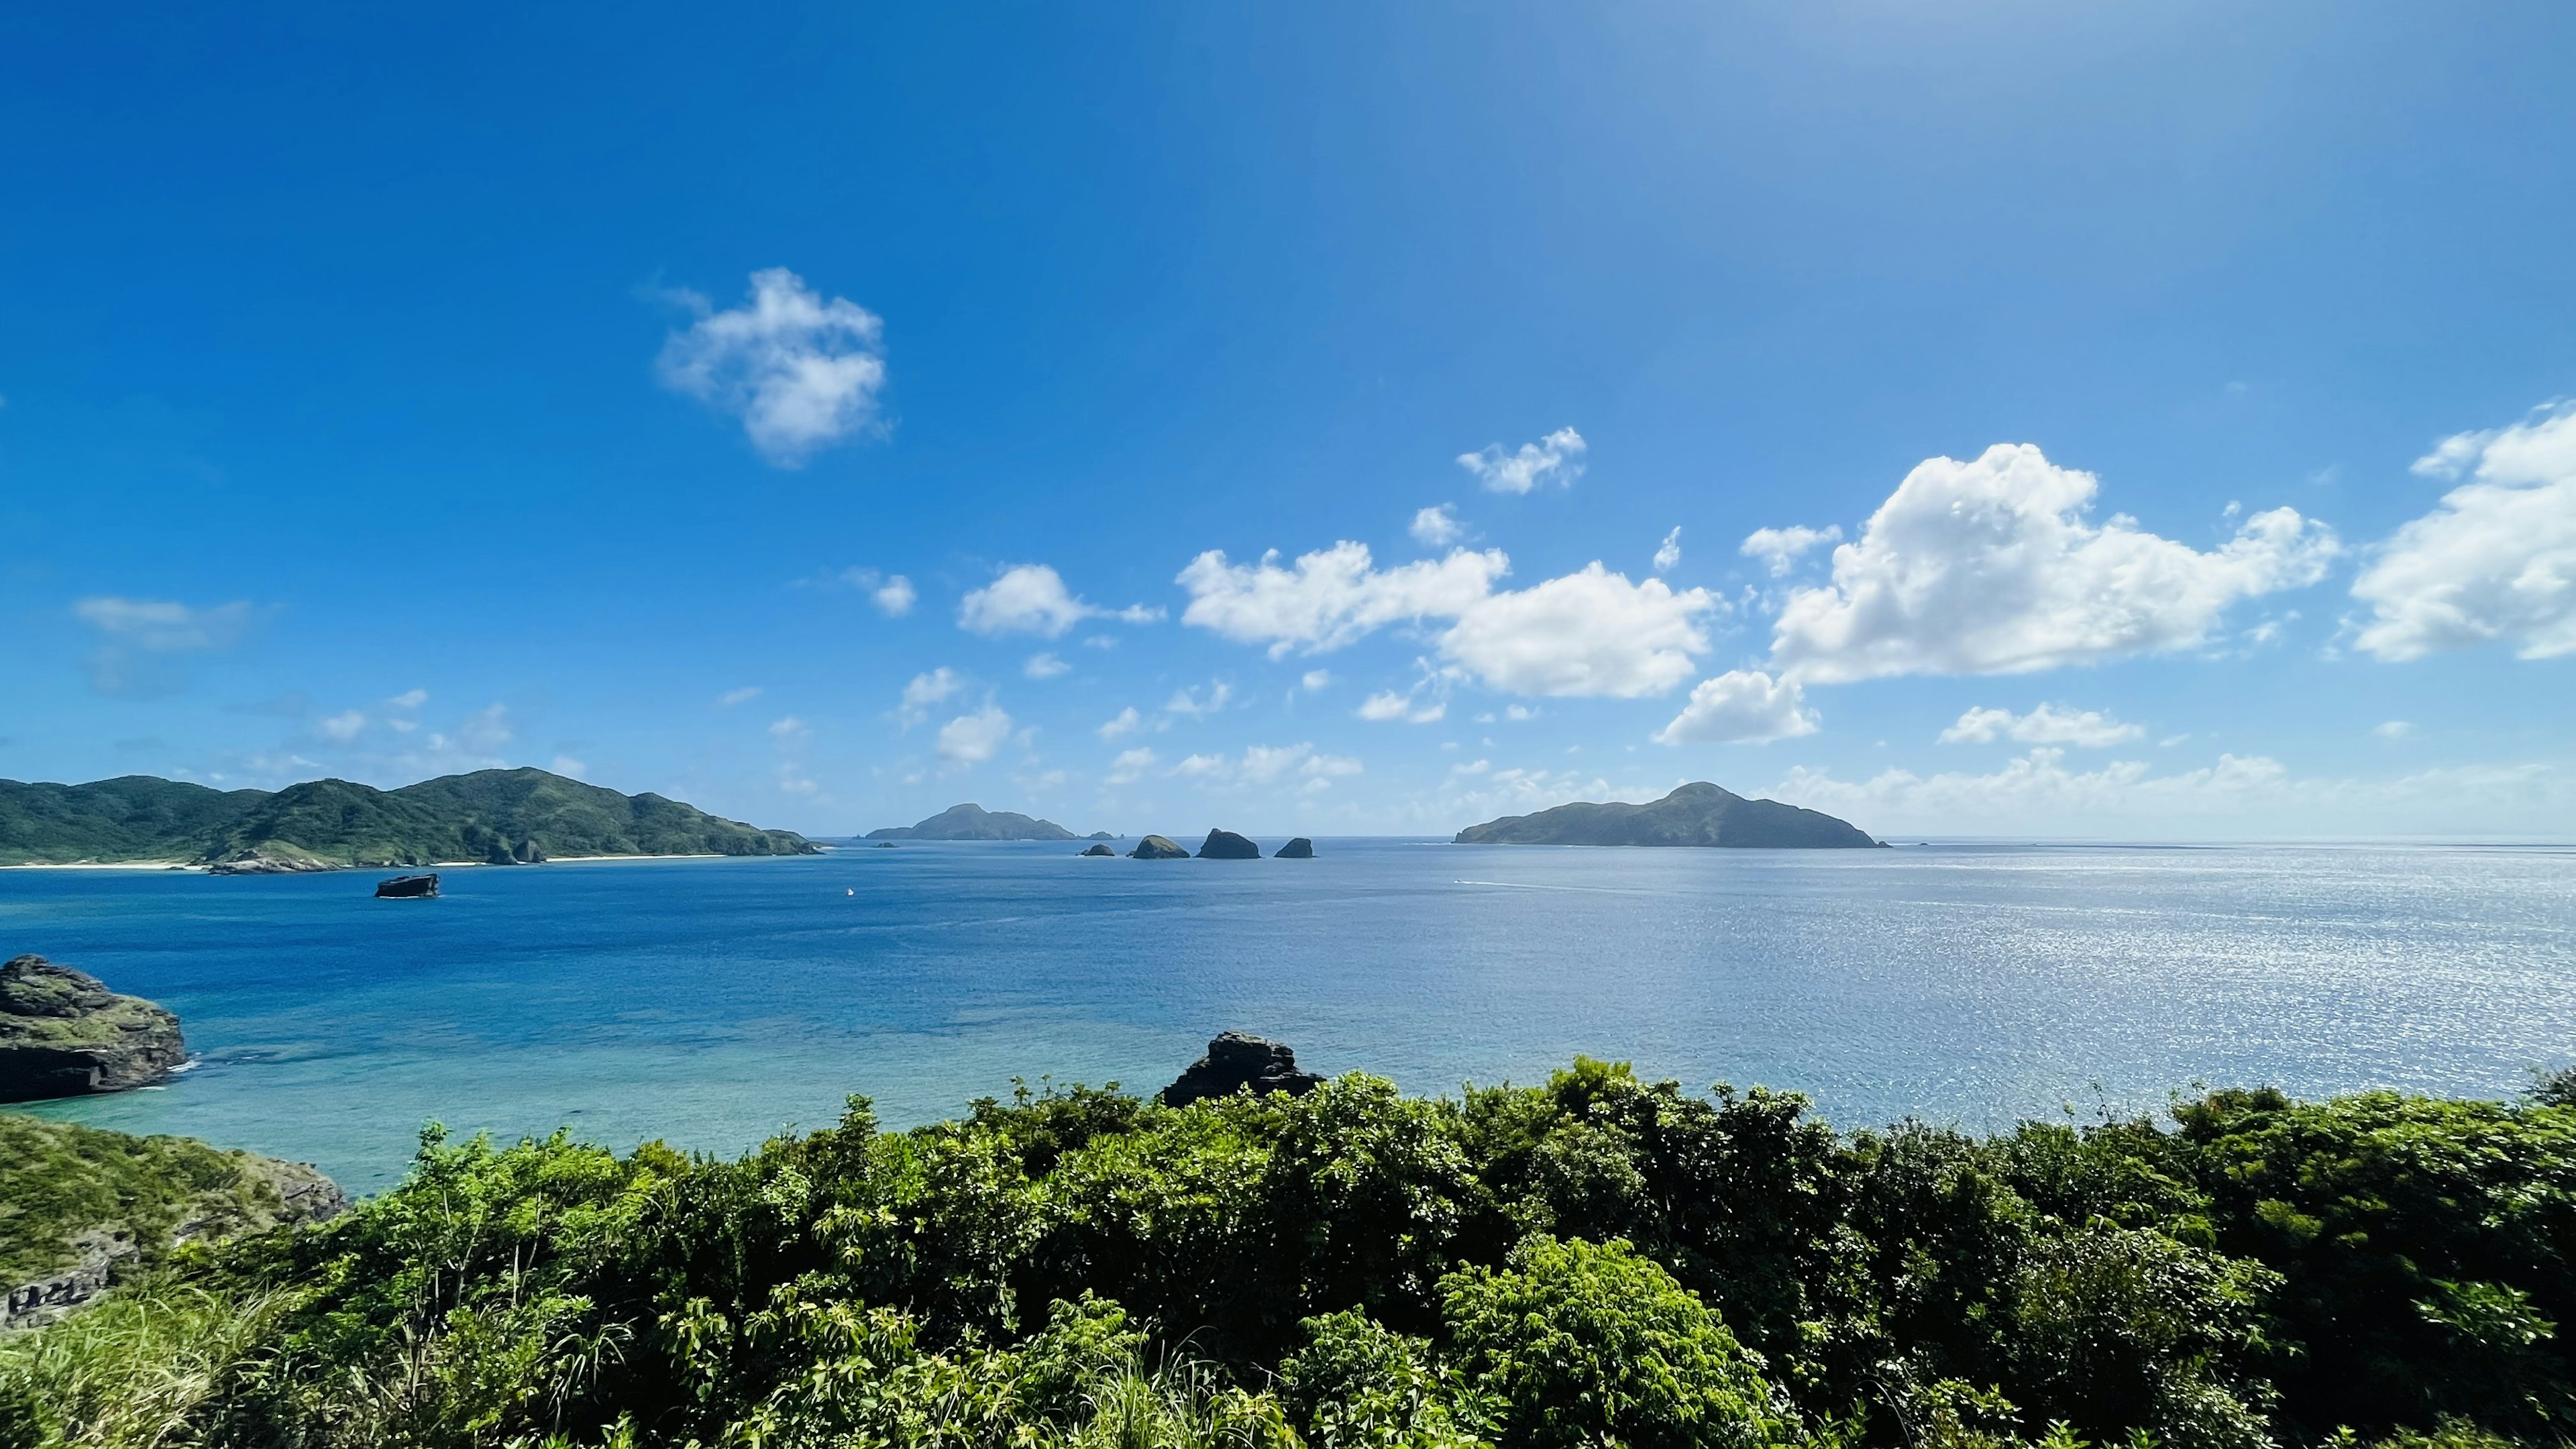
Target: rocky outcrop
[
  {"x": 1236, "y": 1062},
  {"x": 1157, "y": 847},
  {"x": 63, "y": 1034},
  {"x": 1696, "y": 814},
  {"x": 254, "y": 862},
  {"x": 269, "y": 1193},
  {"x": 1298, "y": 849},
  {"x": 1099, "y": 850},
  {"x": 1226, "y": 845}
]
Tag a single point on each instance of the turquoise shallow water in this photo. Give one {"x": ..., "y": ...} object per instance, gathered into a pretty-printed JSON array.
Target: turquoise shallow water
[{"x": 711, "y": 1002}]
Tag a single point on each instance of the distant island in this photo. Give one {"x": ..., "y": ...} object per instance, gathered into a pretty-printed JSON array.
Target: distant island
[
  {"x": 499, "y": 817},
  {"x": 974, "y": 822},
  {"x": 1695, "y": 814}
]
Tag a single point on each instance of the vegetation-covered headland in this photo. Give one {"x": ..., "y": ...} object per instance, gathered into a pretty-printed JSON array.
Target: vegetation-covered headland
[
  {"x": 1597, "y": 1261},
  {"x": 1695, "y": 814},
  {"x": 499, "y": 816}
]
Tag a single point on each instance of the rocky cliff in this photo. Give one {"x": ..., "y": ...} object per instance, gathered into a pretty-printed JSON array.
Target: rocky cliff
[{"x": 63, "y": 1034}]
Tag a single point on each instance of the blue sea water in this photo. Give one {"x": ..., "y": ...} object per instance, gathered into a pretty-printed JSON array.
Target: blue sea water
[{"x": 712, "y": 1002}]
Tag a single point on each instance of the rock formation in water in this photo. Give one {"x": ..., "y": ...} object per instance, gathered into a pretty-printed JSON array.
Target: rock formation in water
[
  {"x": 1236, "y": 1062},
  {"x": 1226, "y": 845},
  {"x": 1298, "y": 849},
  {"x": 63, "y": 1034},
  {"x": 1157, "y": 847},
  {"x": 1697, "y": 814},
  {"x": 1098, "y": 850},
  {"x": 974, "y": 822}
]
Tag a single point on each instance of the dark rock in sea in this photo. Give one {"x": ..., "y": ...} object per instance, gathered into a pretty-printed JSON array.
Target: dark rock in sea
[
  {"x": 1099, "y": 850},
  {"x": 886, "y": 845},
  {"x": 974, "y": 822},
  {"x": 1157, "y": 847},
  {"x": 1298, "y": 849},
  {"x": 1226, "y": 845},
  {"x": 1236, "y": 1062},
  {"x": 1696, "y": 814},
  {"x": 63, "y": 1034},
  {"x": 407, "y": 887}
]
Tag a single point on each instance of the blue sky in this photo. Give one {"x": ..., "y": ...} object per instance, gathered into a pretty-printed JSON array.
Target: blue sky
[{"x": 2079, "y": 420}]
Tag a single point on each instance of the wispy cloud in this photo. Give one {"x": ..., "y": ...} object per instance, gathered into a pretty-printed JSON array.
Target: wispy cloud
[
  {"x": 139, "y": 638},
  {"x": 1556, "y": 458}
]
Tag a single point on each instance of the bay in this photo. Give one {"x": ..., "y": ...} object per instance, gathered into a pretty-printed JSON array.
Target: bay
[{"x": 710, "y": 1003}]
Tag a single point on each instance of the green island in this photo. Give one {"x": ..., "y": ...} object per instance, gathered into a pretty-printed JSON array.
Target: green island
[
  {"x": 493, "y": 816},
  {"x": 1597, "y": 1261}
]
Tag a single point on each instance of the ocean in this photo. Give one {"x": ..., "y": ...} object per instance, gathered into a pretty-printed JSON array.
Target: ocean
[{"x": 710, "y": 1003}]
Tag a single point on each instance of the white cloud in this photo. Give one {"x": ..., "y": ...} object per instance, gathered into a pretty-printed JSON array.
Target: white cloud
[
  {"x": 924, "y": 691},
  {"x": 133, "y": 631},
  {"x": 409, "y": 699},
  {"x": 894, "y": 597},
  {"x": 1187, "y": 701},
  {"x": 1045, "y": 666},
  {"x": 2496, "y": 560},
  {"x": 342, "y": 727},
  {"x": 801, "y": 372},
  {"x": 1590, "y": 633},
  {"x": 568, "y": 767},
  {"x": 1315, "y": 681},
  {"x": 788, "y": 729},
  {"x": 1741, "y": 707},
  {"x": 1331, "y": 597},
  {"x": 1669, "y": 552},
  {"x": 1124, "y": 722},
  {"x": 1267, "y": 764},
  {"x": 973, "y": 738},
  {"x": 744, "y": 695},
  {"x": 1202, "y": 766},
  {"x": 1556, "y": 458},
  {"x": 2090, "y": 729},
  {"x": 1437, "y": 527},
  {"x": 1386, "y": 705},
  {"x": 1781, "y": 548},
  {"x": 1990, "y": 567},
  {"x": 793, "y": 780},
  {"x": 485, "y": 730},
  {"x": 1131, "y": 766},
  {"x": 1519, "y": 712},
  {"x": 1032, "y": 599},
  {"x": 2395, "y": 729}
]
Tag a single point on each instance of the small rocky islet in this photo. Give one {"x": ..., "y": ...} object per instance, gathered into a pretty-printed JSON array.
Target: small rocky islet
[{"x": 64, "y": 1034}]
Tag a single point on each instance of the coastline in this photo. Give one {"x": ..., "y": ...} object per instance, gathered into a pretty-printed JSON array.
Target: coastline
[{"x": 433, "y": 865}]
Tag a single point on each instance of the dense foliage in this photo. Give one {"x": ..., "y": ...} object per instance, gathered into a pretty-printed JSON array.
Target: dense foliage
[
  {"x": 1597, "y": 1261},
  {"x": 488, "y": 815},
  {"x": 60, "y": 1180}
]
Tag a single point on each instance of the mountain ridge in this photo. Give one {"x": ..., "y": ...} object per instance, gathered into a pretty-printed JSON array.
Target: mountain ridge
[
  {"x": 971, "y": 821},
  {"x": 487, "y": 815}
]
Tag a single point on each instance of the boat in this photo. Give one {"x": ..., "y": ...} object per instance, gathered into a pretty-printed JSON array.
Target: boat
[{"x": 407, "y": 887}]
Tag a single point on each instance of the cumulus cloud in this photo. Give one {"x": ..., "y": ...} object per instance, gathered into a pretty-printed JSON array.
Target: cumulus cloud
[
  {"x": 2047, "y": 725},
  {"x": 1592, "y": 632},
  {"x": 1124, "y": 722},
  {"x": 971, "y": 739},
  {"x": 788, "y": 729},
  {"x": 1781, "y": 548},
  {"x": 1045, "y": 666},
  {"x": 1991, "y": 567},
  {"x": 569, "y": 767},
  {"x": 1315, "y": 681},
  {"x": 1556, "y": 458},
  {"x": 894, "y": 597},
  {"x": 802, "y": 372},
  {"x": 1669, "y": 552},
  {"x": 1388, "y": 705},
  {"x": 1331, "y": 597},
  {"x": 411, "y": 699},
  {"x": 1268, "y": 764},
  {"x": 343, "y": 727},
  {"x": 924, "y": 691},
  {"x": 1187, "y": 701},
  {"x": 1032, "y": 599},
  {"x": 1437, "y": 527},
  {"x": 2395, "y": 729},
  {"x": 138, "y": 637},
  {"x": 1741, "y": 707},
  {"x": 1131, "y": 765},
  {"x": 2496, "y": 560}
]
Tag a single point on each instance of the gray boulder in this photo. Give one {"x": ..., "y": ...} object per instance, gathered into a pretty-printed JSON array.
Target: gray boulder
[
  {"x": 63, "y": 1034},
  {"x": 1226, "y": 845},
  {"x": 1236, "y": 1062},
  {"x": 1157, "y": 847},
  {"x": 1099, "y": 850}
]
